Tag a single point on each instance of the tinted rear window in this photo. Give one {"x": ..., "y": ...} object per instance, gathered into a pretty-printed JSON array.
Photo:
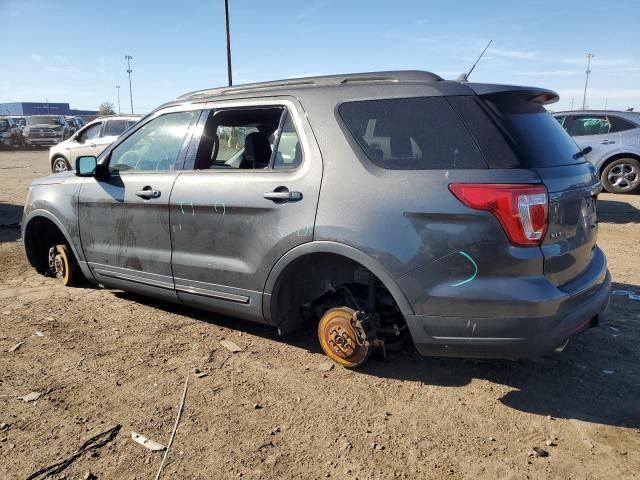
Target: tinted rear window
[
  {"x": 114, "y": 128},
  {"x": 412, "y": 134},
  {"x": 536, "y": 137}
]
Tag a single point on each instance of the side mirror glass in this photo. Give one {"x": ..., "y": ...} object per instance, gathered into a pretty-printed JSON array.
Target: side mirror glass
[{"x": 86, "y": 166}]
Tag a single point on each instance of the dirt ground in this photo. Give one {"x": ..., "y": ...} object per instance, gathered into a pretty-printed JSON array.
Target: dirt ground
[{"x": 104, "y": 358}]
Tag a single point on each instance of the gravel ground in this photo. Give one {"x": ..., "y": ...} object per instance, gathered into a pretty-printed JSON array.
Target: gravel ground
[{"x": 103, "y": 358}]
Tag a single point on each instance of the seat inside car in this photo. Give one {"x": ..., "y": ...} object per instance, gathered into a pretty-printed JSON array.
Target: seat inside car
[{"x": 257, "y": 151}]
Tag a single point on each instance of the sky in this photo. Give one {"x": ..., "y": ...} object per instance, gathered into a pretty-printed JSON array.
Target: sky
[{"x": 73, "y": 51}]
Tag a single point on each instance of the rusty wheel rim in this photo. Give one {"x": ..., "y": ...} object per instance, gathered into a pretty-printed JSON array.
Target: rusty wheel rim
[
  {"x": 340, "y": 338},
  {"x": 62, "y": 265}
]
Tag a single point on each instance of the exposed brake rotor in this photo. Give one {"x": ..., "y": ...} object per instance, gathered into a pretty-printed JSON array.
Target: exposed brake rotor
[
  {"x": 343, "y": 336},
  {"x": 60, "y": 263}
]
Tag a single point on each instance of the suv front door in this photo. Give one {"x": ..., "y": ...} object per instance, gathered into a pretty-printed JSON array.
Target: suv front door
[
  {"x": 248, "y": 195},
  {"x": 124, "y": 212}
]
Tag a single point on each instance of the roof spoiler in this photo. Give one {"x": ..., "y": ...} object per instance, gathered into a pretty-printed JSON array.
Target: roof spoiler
[{"x": 542, "y": 96}]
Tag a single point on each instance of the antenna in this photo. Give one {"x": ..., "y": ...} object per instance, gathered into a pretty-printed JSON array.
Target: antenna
[{"x": 465, "y": 76}]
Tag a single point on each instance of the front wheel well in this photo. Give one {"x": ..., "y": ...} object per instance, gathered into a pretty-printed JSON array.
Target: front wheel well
[
  {"x": 314, "y": 277},
  {"x": 39, "y": 236}
]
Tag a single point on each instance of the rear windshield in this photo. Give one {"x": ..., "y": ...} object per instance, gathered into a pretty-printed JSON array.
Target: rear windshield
[
  {"x": 412, "y": 134},
  {"x": 42, "y": 120},
  {"x": 536, "y": 137}
]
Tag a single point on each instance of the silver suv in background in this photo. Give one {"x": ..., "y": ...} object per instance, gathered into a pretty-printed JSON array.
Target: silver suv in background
[
  {"x": 91, "y": 139},
  {"x": 614, "y": 138}
]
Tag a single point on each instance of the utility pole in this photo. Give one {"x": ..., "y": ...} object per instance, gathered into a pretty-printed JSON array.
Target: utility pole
[
  {"x": 226, "y": 16},
  {"x": 118, "y": 89},
  {"x": 128, "y": 58},
  {"x": 586, "y": 80}
]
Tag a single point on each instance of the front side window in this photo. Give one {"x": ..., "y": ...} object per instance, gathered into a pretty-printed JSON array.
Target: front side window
[
  {"x": 590, "y": 125},
  {"x": 113, "y": 128},
  {"x": 239, "y": 138},
  {"x": 411, "y": 134},
  {"x": 154, "y": 147},
  {"x": 90, "y": 133}
]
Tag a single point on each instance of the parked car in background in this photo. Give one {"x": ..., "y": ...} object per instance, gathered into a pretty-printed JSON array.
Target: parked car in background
[
  {"x": 89, "y": 140},
  {"x": 378, "y": 207},
  {"x": 74, "y": 123},
  {"x": 45, "y": 130},
  {"x": 11, "y": 130},
  {"x": 614, "y": 138}
]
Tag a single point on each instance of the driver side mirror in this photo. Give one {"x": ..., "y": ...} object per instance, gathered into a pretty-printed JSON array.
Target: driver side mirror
[{"x": 86, "y": 166}]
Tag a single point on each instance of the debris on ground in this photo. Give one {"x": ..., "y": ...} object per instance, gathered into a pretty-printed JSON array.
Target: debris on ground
[
  {"x": 550, "y": 443},
  {"x": 147, "y": 442},
  {"x": 257, "y": 406},
  {"x": 16, "y": 347},
  {"x": 89, "y": 476},
  {"x": 39, "y": 333},
  {"x": 231, "y": 346},
  {"x": 325, "y": 366},
  {"x": 538, "y": 452},
  {"x": 95, "y": 442},
  {"x": 175, "y": 428},
  {"x": 201, "y": 374},
  {"x": 4, "y": 426},
  {"x": 31, "y": 397}
]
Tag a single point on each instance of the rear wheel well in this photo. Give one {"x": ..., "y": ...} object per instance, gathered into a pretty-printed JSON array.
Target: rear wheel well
[
  {"x": 40, "y": 235},
  {"x": 316, "y": 276},
  {"x": 616, "y": 157}
]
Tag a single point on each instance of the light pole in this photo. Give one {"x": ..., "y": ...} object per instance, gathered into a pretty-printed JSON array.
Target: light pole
[
  {"x": 128, "y": 58},
  {"x": 226, "y": 16},
  {"x": 586, "y": 80},
  {"x": 118, "y": 89}
]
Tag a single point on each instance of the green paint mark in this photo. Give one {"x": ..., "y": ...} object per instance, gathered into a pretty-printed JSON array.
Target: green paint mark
[{"x": 472, "y": 277}]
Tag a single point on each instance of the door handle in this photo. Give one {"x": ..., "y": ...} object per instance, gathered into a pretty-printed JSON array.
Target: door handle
[
  {"x": 148, "y": 192},
  {"x": 282, "y": 195},
  {"x": 607, "y": 142}
]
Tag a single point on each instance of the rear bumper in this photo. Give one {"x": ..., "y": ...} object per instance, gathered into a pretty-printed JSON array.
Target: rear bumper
[{"x": 576, "y": 306}]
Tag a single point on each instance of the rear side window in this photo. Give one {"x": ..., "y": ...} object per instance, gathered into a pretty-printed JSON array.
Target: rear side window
[
  {"x": 620, "y": 124},
  {"x": 114, "y": 128},
  {"x": 412, "y": 134},
  {"x": 590, "y": 125}
]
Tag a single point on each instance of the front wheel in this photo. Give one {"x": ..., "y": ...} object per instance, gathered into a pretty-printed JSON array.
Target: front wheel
[
  {"x": 60, "y": 165},
  {"x": 621, "y": 176}
]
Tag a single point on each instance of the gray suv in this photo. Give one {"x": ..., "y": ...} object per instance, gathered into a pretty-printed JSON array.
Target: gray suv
[
  {"x": 383, "y": 207},
  {"x": 614, "y": 141}
]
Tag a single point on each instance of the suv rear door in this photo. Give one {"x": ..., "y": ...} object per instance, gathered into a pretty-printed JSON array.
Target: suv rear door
[
  {"x": 541, "y": 144},
  {"x": 246, "y": 197}
]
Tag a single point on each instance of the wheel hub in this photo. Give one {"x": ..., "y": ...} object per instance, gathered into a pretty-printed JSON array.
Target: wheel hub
[{"x": 343, "y": 337}]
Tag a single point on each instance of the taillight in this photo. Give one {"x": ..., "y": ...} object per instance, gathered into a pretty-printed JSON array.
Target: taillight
[{"x": 522, "y": 210}]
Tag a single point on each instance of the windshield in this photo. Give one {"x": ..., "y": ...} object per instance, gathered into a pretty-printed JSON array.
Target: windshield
[{"x": 43, "y": 120}]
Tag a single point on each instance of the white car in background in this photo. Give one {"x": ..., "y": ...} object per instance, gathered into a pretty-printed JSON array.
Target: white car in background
[{"x": 91, "y": 139}]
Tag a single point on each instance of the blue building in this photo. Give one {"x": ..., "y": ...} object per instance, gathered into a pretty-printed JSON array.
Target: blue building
[{"x": 43, "y": 108}]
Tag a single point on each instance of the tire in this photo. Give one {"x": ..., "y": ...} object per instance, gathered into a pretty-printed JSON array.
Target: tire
[
  {"x": 621, "y": 176},
  {"x": 60, "y": 164}
]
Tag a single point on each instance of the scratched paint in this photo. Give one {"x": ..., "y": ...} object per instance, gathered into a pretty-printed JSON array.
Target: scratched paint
[
  {"x": 475, "y": 273},
  {"x": 193, "y": 210},
  {"x": 223, "y": 207},
  {"x": 181, "y": 208}
]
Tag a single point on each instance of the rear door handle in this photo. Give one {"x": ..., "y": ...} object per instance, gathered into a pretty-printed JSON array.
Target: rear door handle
[
  {"x": 283, "y": 196},
  {"x": 607, "y": 142},
  {"x": 148, "y": 192}
]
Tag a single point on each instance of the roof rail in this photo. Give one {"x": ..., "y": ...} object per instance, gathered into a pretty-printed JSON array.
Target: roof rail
[{"x": 400, "y": 76}]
